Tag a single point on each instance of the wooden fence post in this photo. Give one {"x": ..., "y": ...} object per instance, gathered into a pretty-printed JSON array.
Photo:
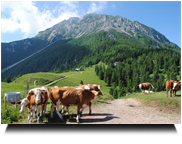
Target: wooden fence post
[
  {"x": 25, "y": 91},
  {"x": 15, "y": 100},
  {"x": 5, "y": 102}
]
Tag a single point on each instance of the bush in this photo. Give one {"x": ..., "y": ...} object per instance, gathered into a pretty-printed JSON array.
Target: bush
[
  {"x": 81, "y": 82},
  {"x": 9, "y": 115}
]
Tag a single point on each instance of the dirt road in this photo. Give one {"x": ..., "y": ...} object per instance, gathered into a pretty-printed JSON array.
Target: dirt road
[
  {"x": 126, "y": 111},
  {"x": 58, "y": 80}
]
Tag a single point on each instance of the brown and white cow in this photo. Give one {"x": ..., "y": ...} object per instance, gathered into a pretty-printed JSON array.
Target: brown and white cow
[
  {"x": 145, "y": 86},
  {"x": 89, "y": 87},
  {"x": 169, "y": 86},
  {"x": 176, "y": 87},
  {"x": 71, "y": 97},
  {"x": 36, "y": 100}
]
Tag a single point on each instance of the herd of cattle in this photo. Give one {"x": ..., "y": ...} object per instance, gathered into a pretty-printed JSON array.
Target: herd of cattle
[{"x": 80, "y": 96}]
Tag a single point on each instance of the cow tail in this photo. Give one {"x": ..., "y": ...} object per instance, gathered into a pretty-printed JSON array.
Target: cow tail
[
  {"x": 152, "y": 86},
  {"x": 51, "y": 97}
]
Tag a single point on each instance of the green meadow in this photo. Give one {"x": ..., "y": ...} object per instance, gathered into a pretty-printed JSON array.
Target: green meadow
[{"x": 12, "y": 115}]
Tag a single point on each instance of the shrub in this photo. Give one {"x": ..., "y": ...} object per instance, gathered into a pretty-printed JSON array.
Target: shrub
[{"x": 9, "y": 115}]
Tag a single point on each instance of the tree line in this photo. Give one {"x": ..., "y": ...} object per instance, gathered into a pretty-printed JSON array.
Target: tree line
[{"x": 156, "y": 67}]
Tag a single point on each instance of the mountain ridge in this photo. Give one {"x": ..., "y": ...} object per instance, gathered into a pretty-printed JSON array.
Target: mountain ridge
[{"x": 75, "y": 27}]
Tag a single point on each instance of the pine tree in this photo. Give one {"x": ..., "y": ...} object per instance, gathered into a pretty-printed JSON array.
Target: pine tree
[
  {"x": 8, "y": 79},
  {"x": 155, "y": 76},
  {"x": 168, "y": 75},
  {"x": 115, "y": 93},
  {"x": 108, "y": 81},
  {"x": 157, "y": 85},
  {"x": 161, "y": 83},
  {"x": 97, "y": 70},
  {"x": 101, "y": 75},
  {"x": 173, "y": 75},
  {"x": 111, "y": 90}
]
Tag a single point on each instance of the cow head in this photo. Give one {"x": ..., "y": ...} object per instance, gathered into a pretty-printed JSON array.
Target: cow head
[
  {"x": 87, "y": 87},
  {"x": 96, "y": 87},
  {"x": 24, "y": 105},
  {"x": 177, "y": 86},
  {"x": 37, "y": 95},
  {"x": 95, "y": 95},
  {"x": 140, "y": 86}
]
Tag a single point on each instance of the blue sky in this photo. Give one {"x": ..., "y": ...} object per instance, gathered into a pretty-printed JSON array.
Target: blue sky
[{"x": 24, "y": 19}]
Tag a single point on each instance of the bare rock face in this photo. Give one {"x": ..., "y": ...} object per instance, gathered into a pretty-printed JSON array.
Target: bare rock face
[{"x": 92, "y": 23}]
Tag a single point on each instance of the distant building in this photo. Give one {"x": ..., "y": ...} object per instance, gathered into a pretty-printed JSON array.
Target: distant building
[
  {"x": 77, "y": 69},
  {"x": 116, "y": 63}
]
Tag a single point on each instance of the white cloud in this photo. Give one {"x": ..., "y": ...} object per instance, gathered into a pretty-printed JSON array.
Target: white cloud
[
  {"x": 99, "y": 7},
  {"x": 113, "y": 6},
  {"x": 30, "y": 19}
]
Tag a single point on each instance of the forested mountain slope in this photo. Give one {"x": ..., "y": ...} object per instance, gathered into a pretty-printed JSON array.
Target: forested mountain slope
[{"x": 80, "y": 42}]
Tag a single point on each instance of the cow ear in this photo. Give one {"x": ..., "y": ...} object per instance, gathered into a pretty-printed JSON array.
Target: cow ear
[
  {"x": 28, "y": 97},
  {"x": 31, "y": 93},
  {"x": 97, "y": 93},
  {"x": 44, "y": 92},
  {"x": 18, "y": 102}
]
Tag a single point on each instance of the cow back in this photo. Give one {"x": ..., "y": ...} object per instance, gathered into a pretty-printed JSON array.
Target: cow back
[{"x": 169, "y": 84}]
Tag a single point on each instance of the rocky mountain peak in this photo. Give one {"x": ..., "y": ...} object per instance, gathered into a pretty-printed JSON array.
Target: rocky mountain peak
[{"x": 92, "y": 23}]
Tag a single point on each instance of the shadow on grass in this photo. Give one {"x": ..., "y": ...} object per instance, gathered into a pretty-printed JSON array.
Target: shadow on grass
[{"x": 178, "y": 96}]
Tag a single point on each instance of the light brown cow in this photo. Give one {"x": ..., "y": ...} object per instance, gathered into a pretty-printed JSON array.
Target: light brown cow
[
  {"x": 33, "y": 104},
  {"x": 71, "y": 97},
  {"x": 36, "y": 82},
  {"x": 86, "y": 86},
  {"x": 145, "y": 86},
  {"x": 169, "y": 86}
]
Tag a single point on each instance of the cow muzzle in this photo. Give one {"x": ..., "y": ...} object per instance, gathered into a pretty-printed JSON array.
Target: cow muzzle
[
  {"x": 38, "y": 101},
  {"x": 21, "y": 111}
]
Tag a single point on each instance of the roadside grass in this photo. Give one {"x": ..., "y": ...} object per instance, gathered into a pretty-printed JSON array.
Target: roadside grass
[
  {"x": 11, "y": 114},
  {"x": 158, "y": 98}
]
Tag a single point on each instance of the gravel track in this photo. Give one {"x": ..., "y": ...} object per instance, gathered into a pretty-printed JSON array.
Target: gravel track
[{"x": 127, "y": 111}]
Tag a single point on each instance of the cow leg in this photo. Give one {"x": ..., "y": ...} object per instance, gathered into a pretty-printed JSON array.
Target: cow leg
[
  {"x": 78, "y": 113},
  {"x": 42, "y": 107},
  {"x": 174, "y": 92},
  {"x": 39, "y": 108},
  {"x": 149, "y": 90},
  {"x": 45, "y": 108},
  {"x": 90, "y": 108},
  {"x": 62, "y": 112},
  {"x": 31, "y": 115},
  {"x": 170, "y": 93},
  {"x": 28, "y": 114},
  {"x": 35, "y": 114},
  {"x": 67, "y": 110},
  {"x": 52, "y": 107},
  {"x": 167, "y": 92},
  {"x": 57, "y": 109}
]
